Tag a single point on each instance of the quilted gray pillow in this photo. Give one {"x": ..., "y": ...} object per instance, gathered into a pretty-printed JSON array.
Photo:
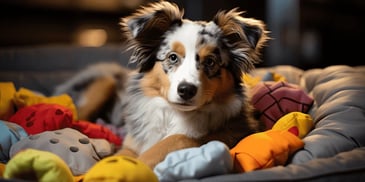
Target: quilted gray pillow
[{"x": 338, "y": 112}]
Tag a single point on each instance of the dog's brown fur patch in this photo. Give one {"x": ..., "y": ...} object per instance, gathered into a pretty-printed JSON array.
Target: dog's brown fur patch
[
  {"x": 155, "y": 82},
  {"x": 179, "y": 48}
]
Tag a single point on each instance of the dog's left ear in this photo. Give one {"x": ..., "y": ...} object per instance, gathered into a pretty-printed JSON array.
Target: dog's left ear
[
  {"x": 244, "y": 37},
  {"x": 145, "y": 29}
]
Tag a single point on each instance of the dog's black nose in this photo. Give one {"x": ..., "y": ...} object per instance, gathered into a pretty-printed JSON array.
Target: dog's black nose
[{"x": 186, "y": 90}]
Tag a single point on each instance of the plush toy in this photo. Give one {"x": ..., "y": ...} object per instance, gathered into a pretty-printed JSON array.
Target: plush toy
[
  {"x": 10, "y": 133},
  {"x": 76, "y": 149},
  {"x": 120, "y": 168},
  {"x": 273, "y": 100},
  {"x": 273, "y": 97},
  {"x": 296, "y": 123},
  {"x": 36, "y": 165},
  {"x": 7, "y": 108},
  {"x": 42, "y": 117},
  {"x": 273, "y": 147},
  {"x": 210, "y": 159}
]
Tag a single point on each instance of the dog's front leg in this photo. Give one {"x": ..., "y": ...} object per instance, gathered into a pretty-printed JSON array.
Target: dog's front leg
[{"x": 158, "y": 152}]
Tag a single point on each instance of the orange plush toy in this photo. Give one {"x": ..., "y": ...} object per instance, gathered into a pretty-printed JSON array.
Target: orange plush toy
[{"x": 274, "y": 146}]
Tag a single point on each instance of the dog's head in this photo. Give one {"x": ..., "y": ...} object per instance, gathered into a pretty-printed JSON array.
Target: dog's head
[{"x": 197, "y": 62}]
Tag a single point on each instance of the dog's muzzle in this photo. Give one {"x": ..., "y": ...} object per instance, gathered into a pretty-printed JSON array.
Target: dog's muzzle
[{"x": 186, "y": 90}]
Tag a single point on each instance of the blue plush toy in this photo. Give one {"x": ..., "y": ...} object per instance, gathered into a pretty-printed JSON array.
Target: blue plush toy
[
  {"x": 193, "y": 162},
  {"x": 10, "y": 133}
]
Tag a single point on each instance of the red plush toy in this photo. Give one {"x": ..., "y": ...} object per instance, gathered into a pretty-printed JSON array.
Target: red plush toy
[
  {"x": 42, "y": 117},
  {"x": 275, "y": 99},
  {"x": 48, "y": 117}
]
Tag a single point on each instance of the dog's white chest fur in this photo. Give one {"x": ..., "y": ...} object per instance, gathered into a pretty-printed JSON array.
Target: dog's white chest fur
[{"x": 153, "y": 121}]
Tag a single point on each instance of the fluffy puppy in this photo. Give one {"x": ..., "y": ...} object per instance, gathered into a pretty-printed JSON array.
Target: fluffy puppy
[{"x": 188, "y": 81}]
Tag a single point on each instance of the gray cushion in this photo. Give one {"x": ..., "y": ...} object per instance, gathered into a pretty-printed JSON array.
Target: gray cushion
[{"x": 338, "y": 112}]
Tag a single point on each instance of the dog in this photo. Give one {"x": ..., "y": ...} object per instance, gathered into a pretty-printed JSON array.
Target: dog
[
  {"x": 187, "y": 88},
  {"x": 189, "y": 76}
]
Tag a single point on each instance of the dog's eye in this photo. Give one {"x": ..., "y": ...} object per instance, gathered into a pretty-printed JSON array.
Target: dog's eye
[
  {"x": 173, "y": 58},
  {"x": 209, "y": 62}
]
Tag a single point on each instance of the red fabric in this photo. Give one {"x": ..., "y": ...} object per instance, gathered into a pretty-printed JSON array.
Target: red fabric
[
  {"x": 93, "y": 130},
  {"x": 42, "y": 117},
  {"x": 48, "y": 117},
  {"x": 275, "y": 99}
]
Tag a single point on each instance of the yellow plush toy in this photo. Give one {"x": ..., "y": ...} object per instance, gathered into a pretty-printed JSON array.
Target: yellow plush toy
[
  {"x": 7, "y": 91},
  {"x": 296, "y": 123},
  {"x": 42, "y": 166},
  {"x": 120, "y": 168},
  {"x": 272, "y": 147}
]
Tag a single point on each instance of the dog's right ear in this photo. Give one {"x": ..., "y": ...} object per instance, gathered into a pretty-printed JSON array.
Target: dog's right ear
[{"x": 144, "y": 30}]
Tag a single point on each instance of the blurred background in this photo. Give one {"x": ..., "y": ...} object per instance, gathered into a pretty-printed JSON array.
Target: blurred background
[{"x": 306, "y": 33}]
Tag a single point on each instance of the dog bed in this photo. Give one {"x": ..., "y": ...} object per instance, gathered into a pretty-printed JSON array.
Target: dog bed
[{"x": 333, "y": 150}]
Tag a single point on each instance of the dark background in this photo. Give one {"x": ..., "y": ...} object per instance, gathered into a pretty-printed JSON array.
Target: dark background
[{"x": 307, "y": 33}]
